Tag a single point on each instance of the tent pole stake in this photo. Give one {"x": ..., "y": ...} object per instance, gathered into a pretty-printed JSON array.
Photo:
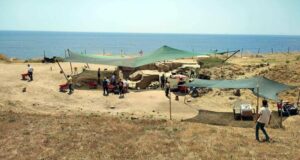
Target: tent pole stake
[
  {"x": 257, "y": 105},
  {"x": 170, "y": 106},
  {"x": 298, "y": 101},
  {"x": 71, "y": 67}
]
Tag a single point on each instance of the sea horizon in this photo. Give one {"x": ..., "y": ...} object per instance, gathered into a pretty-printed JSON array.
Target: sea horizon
[
  {"x": 172, "y": 33},
  {"x": 33, "y": 44}
]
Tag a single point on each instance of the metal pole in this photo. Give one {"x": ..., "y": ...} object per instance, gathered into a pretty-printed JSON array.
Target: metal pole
[
  {"x": 86, "y": 63},
  {"x": 70, "y": 62},
  {"x": 227, "y": 52},
  {"x": 62, "y": 70},
  {"x": 170, "y": 105},
  {"x": 281, "y": 115},
  {"x": 242, "y": 52},
  {"x": 298, "y": 98},
  {"x": 257, "y": 106}
]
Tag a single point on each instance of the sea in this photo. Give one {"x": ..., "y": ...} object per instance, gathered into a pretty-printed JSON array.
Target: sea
[{"x": 34, "y": 44}]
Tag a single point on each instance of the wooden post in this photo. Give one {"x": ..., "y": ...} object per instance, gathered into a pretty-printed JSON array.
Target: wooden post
[
  {"x": 227, "y": 52},
  {"x": 44, "y": 54},
  {"x": 281, "y": 115},
  {"x": 258, "y": 50},
  {"x": 86, "y": 63},
  {"x": 272, "y": 50},
  {"x": 62, "y": 70},
  {"x": 257, "y": 106},
  {"x": 288, "y": 50},
  {"x": 242, "y": 52},
  {"x": 170, "y": 98},
  {"x": 298, "y": 98}
]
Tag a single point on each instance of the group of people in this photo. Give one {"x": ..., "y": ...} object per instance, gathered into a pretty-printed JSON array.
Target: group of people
[{"x": 116, "y": 85}]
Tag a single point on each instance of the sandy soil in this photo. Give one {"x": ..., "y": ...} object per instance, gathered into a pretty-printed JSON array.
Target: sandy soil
[
  {"x": 60, "y": 126},
  {"x": 42, "y": 94}
]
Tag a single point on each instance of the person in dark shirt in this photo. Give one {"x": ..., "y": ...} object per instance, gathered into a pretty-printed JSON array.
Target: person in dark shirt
[
  {"x": 162, "y": 81},
  {"x": 121, "y": 85},
  {"x": 105, "y": 87},
  {"x": 99, "y": 76}
]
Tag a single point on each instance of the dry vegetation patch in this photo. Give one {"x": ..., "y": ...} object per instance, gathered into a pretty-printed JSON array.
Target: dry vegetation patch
[{"x": 30, "y": 136}]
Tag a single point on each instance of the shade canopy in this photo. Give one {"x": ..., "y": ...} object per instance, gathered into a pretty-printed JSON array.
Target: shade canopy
[
  {"x": 162, "y": 54},
  {"x": 266, "y": 88}
]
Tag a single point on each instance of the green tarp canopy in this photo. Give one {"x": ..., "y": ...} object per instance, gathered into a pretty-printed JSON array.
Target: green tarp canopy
[
  {"x": 267, "y": 88},
  {"x": 161, "y": 54}
]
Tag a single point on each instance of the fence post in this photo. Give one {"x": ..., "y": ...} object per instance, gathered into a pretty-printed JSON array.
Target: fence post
[{"x": 242, "y": 52}]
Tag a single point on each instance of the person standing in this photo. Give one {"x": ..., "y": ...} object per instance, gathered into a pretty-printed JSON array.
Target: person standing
[
  {"x": 121, "y": 90},
  {"x": 162, "y": 81},
  {"x": 113, "y": 80},
  {"x": 105, "y": 87},
  {"x": 167, "y": 88},
  {"x": 99, "y": 75},
  {"x": 30, "y": 72},
  {"x": 264, "y": 117},
  {"x": 70, "y": 84}
]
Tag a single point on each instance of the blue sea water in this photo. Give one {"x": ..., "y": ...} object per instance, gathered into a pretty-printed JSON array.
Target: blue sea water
[{"x": 30, "y": 44}]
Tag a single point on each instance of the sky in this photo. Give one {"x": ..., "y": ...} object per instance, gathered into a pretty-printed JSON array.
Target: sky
[{"x": 271, "y": 17}]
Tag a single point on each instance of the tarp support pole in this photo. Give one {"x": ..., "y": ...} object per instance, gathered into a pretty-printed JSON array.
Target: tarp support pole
[
  {"x": 257, "y": 105},
  {"x": 71, "y": 67},
  {"x": 298, "y": 98},
  {"x": 62, "y": 70},
  {"x": 281, "y": 115},
  {"x": 170, "y": 105},
  {"x": 70, "y": 62},
  {"x": 86, "y": 63}
]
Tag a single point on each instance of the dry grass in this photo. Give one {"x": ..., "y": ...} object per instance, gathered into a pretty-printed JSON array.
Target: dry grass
[{"x": 30, "y": 136}]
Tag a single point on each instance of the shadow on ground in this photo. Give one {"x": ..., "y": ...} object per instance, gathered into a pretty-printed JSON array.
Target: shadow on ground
[{"x": 227, "y": 119}]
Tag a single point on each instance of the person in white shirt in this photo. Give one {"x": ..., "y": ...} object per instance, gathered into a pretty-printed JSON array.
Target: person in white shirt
[
  {"x": 30, "y": 72},
  {"x": 70, "y": 84},
  {"x": 264, "y": 117}
]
